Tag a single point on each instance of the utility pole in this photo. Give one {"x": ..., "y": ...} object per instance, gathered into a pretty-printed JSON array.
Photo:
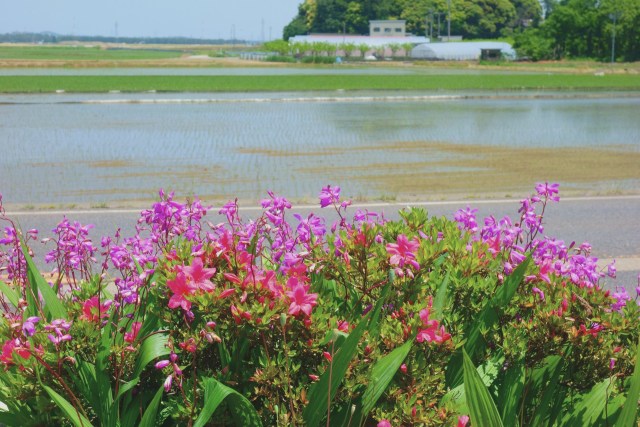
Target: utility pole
[
  {"x": 614, "y": 18},
  {"x": 448, "y": 20}
]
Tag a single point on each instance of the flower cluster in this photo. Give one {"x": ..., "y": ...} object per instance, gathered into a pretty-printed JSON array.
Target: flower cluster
[{"x": 271, "y": 305}]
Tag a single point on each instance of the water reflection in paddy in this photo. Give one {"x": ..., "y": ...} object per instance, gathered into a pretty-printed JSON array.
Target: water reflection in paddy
[{"x": 59, "y": 149}]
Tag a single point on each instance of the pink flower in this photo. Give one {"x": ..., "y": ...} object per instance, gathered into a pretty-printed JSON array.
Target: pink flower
[
  {"x": 198, "y": 275},
  {"x": 329, "y": 196},
  {"x": 301, "y": 301},
  {"x": 384, "y": 423},
  {"x": 463, "y": 420},
  {"x": 167, "y": 383},
  {"x": 11, "y": 346},
  {"x": 402, "y": 252},
  {"x": 226, "y": 293},
  {"x": 130, "y": 337},
  {"x": 162, "y": 364},
  {"x": 538, "y": 292},
  {"x": 180, "y": 288},
  {"x": 549, "y": 191},
  {"x": 431, "y": 332},
  {"x": 93, "y": 311}
]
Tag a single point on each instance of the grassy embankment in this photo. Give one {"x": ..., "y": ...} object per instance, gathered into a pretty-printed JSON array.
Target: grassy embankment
[{"x": 96, "y": 84}]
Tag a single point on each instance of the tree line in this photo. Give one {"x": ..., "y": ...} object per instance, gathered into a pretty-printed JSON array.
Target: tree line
[
  {"x": 30, "y": 37},
  {"x": 542, "y": 29}
]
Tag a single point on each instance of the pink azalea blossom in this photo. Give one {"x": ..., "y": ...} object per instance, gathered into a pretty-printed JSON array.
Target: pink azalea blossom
[
  {"x": 463, "y": 420},
  {"x": 181, "y": 289},
  {"x": 93, "y": 310},
  {"x": 131, "y": 336},
  {"x": 301, "y": 301},
  {"x": 198, "y": 275},
  {"x": 402, "y": 253},
  {"x": 432, "y": 331}
]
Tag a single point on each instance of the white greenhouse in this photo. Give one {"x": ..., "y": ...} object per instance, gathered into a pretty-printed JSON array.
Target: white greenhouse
[{"x": 460, "y": 51}]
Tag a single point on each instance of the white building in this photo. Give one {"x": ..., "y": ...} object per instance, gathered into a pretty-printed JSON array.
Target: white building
[
  {"x": 462, "y": 51},
  {"x": 388, "y": 28}
]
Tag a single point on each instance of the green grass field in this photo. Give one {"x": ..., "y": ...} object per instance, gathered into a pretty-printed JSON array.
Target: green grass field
[
  {"x": 70, "y": 53},
  {"x": 96, "y": 84}
]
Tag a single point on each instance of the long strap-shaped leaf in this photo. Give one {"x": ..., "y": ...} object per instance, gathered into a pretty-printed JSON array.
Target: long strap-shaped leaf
[
  {"x": 74, "y": 416},
  {"x": 482, "y": 408},
  {"x": 485, "y": 320},
  {"x": 628, "y": 417},
  {"x": 244, "y": 414},
  {"x": 52, "y": 305},
  {"x": 151, "y": 413},
  {"x": 322, "y": 392},
  {"x": 382, "y": 374}
]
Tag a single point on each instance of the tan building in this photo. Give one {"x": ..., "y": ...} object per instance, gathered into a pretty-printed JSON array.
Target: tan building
[{"x": 388, "y": 28}]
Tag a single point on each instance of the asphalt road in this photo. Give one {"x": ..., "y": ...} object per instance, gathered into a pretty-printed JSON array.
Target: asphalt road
[{"x": 610, "y": 224}]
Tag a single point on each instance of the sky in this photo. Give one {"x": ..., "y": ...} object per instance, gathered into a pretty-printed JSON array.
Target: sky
[{"x": 151, "y": 18}]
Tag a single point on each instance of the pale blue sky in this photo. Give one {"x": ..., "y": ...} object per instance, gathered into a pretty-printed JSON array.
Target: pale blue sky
[{"x": 188, "y": 18}]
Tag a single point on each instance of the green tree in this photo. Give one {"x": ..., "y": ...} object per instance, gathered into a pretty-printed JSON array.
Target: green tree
[
  {"x": 486, "y": 18},
  {"x": 363, "y": 48},
  {"x": 280, "y": 46},
  {"x": 534, "y": 45},
  {"x": 348, "y": 49},
  {"x": 354, "y": 20}
]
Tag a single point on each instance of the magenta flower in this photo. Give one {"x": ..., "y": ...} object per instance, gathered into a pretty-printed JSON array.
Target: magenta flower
[
  {"x": 463, "y": 420},
  {"x": 131, "y": 336},
  {"x": 181, "y": 289},
  {"x": 93, "y": 310},
  {"x": 301, "y": 301},
  {"x": 611, "y": 270},
  {"x": 384, "y": 423},
  {"x": 431, "y": 332},
  {"x": 621, "y": 296},
  {"x": 198, "y": 275},
  {"x": 167, "y": 383},
  {"x": 466, "y": 219},
  {"x": 538, "y": 292},
  {"x": 548, "y": 191},
  {"x": 28, "y": 327},
  {"x": 329, "y": 196},
  {"x": 162, "y": 364},
  {"x": 403, "y": 252}
]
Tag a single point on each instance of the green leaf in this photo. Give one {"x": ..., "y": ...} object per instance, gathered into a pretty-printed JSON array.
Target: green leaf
[
  {"x": 489, "y": 371},
  {"x": 628, "y": 417},
  {"x": 510, "y": 393},
  {"x": 489, "y": 316},
  {"x": 72, "y": 414},
  {"x": 545, "y": 383},
  {"x": 10, "y": 293},
  {"x": 590, "y": 409},
  {"x": 243, "y": 412},
  {"x": 151, "y": 348},
  {"x": 151, "y": 413},
  {"x": 325, "y": 389},
  {"x": 53, "y": 307},
  {"x": 382, "y": 374},
  {"x": 482, "y": 409},
  {"x": 442, "y": 297}
]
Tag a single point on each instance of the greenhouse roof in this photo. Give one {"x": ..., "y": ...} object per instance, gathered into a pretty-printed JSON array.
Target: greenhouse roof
[
  {"x": 370, "y": 41},
  {"x": 459, "y": 50}
]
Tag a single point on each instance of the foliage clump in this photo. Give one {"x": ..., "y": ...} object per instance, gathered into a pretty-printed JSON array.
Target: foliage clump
[{"x": 280, "y": 321}]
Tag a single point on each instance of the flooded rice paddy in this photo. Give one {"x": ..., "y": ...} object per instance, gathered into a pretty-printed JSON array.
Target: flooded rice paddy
[{"x": 120, "y": 148}]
